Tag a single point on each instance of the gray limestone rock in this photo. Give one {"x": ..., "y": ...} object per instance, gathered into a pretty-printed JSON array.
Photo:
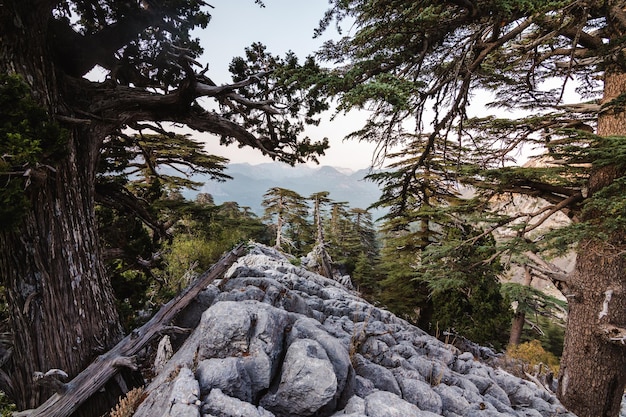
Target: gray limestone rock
[
  {"x": 218, "y": 404},
  {"x": 418, "y": 392},
  {"x": 228, "y": 374},
  {"x": 185, "y": 396},
  {"x": 307, "y": 382},
  {"x": 386, "y": 404},
  {"x": 275, "y": 340},
  {"x": 381, "y": 377}
]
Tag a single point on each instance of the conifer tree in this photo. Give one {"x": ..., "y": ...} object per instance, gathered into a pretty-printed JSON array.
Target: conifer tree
[
  {"x": 287, "y": 211},
  {"x": 51, "y": 261},
  {"x": 418, "y": 65},
  {"x": 353, "y": 246},
  {"x": 320, "y": 250}
]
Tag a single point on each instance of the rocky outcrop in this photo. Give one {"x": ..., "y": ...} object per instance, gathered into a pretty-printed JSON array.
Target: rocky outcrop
[{"x": 272, "y": 339}]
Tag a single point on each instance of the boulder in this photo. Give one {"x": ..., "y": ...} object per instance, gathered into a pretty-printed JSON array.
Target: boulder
[{"x": 273, "y": 339}]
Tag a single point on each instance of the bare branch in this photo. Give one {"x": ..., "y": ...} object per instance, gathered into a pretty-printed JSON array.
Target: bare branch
[
  {"x": 556, "y": 275},
  {"x": 553, "y": 209},
  {"x": 582, "y": 107},
  {"x": 208, "y": 90}
]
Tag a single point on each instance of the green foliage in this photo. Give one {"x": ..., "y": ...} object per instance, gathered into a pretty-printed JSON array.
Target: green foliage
[
  {"x": 280, "y": 80},
  {"x": 436, "y": 263},
  {"x": 29, "y": 141},
  {"x": 400, "y": 289},
  {"x": 533, "y": 301},
  {"x": 352, "y": 245},
  {"x": 183, "y": 259},
  {"x": 286, "y": 211},
  {"x": 548, "y": 331},
  {"x": 7, "y": 408},
  {"x": 465, "y": 288}
]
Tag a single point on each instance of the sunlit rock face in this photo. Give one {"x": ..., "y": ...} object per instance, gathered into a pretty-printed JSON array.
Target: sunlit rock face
[{"x": 272, "y": 339}]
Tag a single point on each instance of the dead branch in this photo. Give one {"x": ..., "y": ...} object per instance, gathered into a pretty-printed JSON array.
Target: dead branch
[
  {"x": 105, "y": 367},
  {"x": 556, "y": 275},
  {"x": 613, "y": 334},
  {"x": 553, "y": 209},
  {"x": 538, "y": 383}
]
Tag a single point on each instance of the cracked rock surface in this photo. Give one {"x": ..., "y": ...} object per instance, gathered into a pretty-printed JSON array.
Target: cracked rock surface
[{"x": 272, "y": 339}]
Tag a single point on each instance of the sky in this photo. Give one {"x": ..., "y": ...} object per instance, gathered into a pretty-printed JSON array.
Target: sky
[{"x": 283, "y": 25}]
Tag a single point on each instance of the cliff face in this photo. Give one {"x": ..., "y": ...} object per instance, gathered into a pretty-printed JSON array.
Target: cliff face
[{"x": 272, "y": 339}]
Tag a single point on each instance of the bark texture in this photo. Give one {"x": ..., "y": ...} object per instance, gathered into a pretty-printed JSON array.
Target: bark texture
[
  {"x": 593, "y": 368},
  {"x": 62, "y": 307}
]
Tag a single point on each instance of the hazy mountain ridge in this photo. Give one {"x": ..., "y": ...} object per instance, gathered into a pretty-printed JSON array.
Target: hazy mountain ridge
[{"x": 251, "y": 182}]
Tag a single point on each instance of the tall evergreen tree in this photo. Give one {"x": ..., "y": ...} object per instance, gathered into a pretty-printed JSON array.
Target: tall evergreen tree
[
  {"x": 353, "y": 246},
  {"x": 407, "y": 57},
  {"x": 367, "y": 266},
  {"x": 465, "y": 287},
  {"x": 320, "y": 250},
  {"x": 288, "y": 213},
  {"x": 51, "y": 263},
  {"x": 411, "y": 193}
]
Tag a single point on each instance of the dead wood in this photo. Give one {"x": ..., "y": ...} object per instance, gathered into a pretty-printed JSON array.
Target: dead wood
[{"x": 72, "y": 394}]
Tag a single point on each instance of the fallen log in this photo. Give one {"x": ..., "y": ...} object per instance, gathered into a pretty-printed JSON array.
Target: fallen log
[{"x": 71, "y": 395}]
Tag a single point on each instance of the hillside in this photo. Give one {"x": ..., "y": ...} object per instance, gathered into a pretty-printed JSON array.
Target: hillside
[
  {"x": 275, "y": 340},
  {"x": 250, "y": 182}
]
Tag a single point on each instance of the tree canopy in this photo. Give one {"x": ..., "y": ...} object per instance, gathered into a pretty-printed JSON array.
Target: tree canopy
[
  {"x": 76, "y": 138},
  {"x": 421, "y": 69}
]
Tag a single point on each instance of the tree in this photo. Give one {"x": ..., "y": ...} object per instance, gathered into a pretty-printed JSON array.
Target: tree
[
  {"x": 406, "y": 57},
  {"x": 320, "y": 249},
  {"x": 465, "y": 289},
  {"x": 288, "y": 211},
  {"x": 452, "y": 265},
  {"x": 410, "y": 226},
  {"x": 51, "y": 262},
  {"x": 352, "y": 245}
]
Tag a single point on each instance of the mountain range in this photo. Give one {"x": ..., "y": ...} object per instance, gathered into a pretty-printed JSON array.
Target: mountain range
[{"x": 251, "y": 182}]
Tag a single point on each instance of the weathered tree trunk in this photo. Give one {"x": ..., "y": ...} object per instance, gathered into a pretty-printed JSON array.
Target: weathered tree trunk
[
  {"x": 324, "y": 258},
  {"x": 61, "y": 301},
  {"x": 593, "y": 368},
  {"x": 62, "y": 305}
]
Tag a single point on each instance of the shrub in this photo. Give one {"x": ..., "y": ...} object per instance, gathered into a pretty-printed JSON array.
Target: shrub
[{"x": 534, "y": 356}]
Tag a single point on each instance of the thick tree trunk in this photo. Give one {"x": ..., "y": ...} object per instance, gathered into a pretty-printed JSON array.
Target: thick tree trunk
[
  {"x": 62, "y": 306},
  {"x": 61, "y": 301},
  {"x": 593, "y": 368}
]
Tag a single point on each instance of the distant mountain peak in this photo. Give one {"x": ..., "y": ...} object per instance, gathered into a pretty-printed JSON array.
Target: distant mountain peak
[{"x": 250, "y": 182}]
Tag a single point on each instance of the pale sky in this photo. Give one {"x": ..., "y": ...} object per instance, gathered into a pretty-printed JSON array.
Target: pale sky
[{"x": 283, "y": 25}]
